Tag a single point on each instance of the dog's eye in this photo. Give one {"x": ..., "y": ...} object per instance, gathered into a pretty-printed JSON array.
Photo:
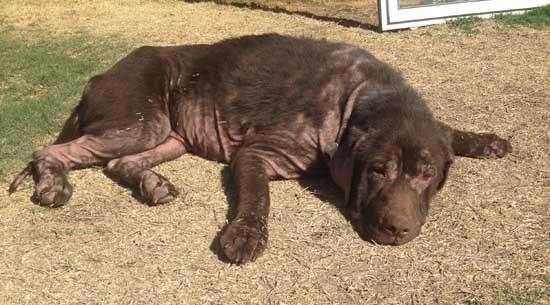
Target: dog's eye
[
  {"x": 428, "y": 173},
  {"x": 378, "y": 169}
]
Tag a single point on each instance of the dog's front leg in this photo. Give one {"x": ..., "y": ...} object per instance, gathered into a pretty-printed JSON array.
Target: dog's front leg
[
  {"x": 476, "y": 145},
  {"x": 245, "y": 237}
]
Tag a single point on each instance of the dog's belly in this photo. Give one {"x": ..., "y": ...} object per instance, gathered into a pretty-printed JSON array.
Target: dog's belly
[
  {"x": 289, "y": 151},
  {"x": 203, "y": 131}
]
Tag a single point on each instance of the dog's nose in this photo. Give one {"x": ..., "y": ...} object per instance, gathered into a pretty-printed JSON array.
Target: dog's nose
[{"x": 397, "y": 226}]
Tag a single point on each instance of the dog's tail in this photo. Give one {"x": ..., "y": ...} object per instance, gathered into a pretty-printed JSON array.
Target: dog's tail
[
  {"x": 70, "y": 131},
  {"x": 19, "y": 178}
]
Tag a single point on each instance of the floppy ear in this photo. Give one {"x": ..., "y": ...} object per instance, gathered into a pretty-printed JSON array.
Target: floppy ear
[
  {"x": 446, "y": 138},
  {"x": 358, "y": 189},
  {"x": 447, "y": 166},
  {"x": 345, "y": 160}
]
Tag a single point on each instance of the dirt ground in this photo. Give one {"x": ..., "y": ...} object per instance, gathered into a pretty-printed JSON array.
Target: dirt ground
[{"x": 487, "y": 239}]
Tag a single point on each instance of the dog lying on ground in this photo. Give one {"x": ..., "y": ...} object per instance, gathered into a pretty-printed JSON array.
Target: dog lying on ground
[{"x": 272, "y": 107}]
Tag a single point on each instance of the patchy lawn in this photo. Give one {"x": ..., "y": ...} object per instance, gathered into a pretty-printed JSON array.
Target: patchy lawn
[
  {"x": 486, "y": 240},
  {"x": 41, "y": 80}
]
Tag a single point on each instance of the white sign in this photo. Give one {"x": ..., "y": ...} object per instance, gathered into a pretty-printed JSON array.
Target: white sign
[{"x": 399, "y": 14}]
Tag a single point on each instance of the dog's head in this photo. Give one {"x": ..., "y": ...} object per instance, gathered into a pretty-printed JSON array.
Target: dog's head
[
  {"x": 390, "y": 171},
  {"x": 392, "y": 185}
]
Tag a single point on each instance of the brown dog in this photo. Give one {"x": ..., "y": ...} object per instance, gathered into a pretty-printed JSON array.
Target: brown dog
[{"x": 271, "y": 107}]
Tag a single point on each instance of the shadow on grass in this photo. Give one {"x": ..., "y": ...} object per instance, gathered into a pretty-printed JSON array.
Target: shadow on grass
[
  {"x": 321, "y": 187},
  {"x": 231, "y": 195},
  {"x": 327, "y": 191},
  {"x": 348, "y": 23}
]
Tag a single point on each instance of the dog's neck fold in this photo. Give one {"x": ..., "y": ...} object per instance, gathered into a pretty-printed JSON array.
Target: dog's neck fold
[{"x": 346, "y": 114}]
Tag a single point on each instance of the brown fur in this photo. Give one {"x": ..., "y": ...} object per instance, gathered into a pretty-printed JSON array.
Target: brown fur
[{"x": 272, "y": 107}]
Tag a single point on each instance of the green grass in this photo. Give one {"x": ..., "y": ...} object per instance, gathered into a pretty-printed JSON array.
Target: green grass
[
  {"x": 523, "y": 297},
  {"x": 341, "y": 228},
  {"x": 538, "y": 18},
  {"x": 465, "y": 24},
  {"x": 41, "y": 80},
  {"x": 71, "y": 264},
  {"x": 511, "y": 296}
]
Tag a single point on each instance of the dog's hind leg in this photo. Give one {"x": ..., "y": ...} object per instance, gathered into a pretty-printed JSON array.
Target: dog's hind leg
[
  {"x": 124, "y": 111},
  {"x": 52, "y": 162},
  {"x": 135, "y": 171},
  {"x": 69, "y": 132}
]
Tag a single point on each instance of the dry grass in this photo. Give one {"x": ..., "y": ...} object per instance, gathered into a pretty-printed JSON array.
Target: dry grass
[
  {"x": 358, "y": 13},
  {"x": 487, "y": 240}
]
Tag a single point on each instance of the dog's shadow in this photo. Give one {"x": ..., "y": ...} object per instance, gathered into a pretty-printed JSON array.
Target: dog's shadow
[
  {"x": 321, "y": 187},
  {"x": 232, "y": 201},
  {"x": 134, "y": 192}
]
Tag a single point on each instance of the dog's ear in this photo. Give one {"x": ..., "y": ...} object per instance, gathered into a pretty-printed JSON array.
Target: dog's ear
[
  {"x": 446, "y": 142},
  {"x": 358, "y": 188},
  {"x": 446, "y": 168}
]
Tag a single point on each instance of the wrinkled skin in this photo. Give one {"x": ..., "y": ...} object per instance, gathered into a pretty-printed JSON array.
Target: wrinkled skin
[{"x": 271, "y": 107}]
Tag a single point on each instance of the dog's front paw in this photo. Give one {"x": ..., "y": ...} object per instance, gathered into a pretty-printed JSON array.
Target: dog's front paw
[
  {"x": 244, "y": 239},
  {"x": 495, "y": 147}
]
